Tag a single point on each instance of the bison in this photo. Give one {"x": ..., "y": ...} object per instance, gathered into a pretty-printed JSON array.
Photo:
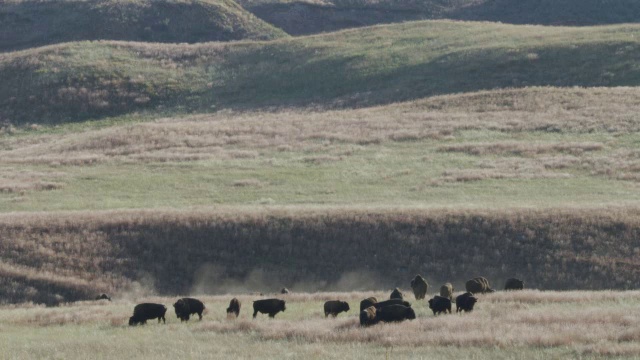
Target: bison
[
  {"x": 478, "y": 285},
  {"x": 186, "y": 306},
  {"x": 465, "y": 302},
  {"x": 396, "y": 294},
  {"x": 234, "y": 307},
  {"x": 268, "y": 306},
  {"x": 386, "y": 303},
  {"x": 485, "y": 284},
  {"x": 284, "y": 291},
  {"x": 514, "y": 284},
  {"x": 335, "y": 307},
  {"x": 103, "y": 297},
  {"x": 147, "y": 311},
  {"x": 394, "y": 313},
  {"x": 368, "y": 316},
  {"x": 446, "y": 290},
  {"x": 367, "y": 303},
  {"x": 420, "y": 287},
  {"x": 440, "y": 305}
]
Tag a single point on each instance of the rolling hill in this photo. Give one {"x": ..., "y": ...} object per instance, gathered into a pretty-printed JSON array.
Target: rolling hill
[
  {"x": 382, "y": 64},
  {"x": 28, "y": 23},
  {"x": 300, "y": 17}
]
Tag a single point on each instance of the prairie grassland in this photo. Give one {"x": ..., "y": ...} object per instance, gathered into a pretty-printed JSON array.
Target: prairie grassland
[
  {"x": 528, "y": 324},
  {"x": 535, "y": 147},
  {"x": 80, "y": 81}
]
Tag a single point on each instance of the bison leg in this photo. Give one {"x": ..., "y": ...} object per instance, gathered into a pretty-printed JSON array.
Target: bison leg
[
  {"x": 272, "y": 315},
  {"x": 200, "y": 315},
  {"x": 255, "y": 312}
]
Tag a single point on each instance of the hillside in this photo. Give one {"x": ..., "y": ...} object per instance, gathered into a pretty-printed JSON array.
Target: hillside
[
  {"x": 30, "y": 23},
  {"x": 532, "y": 147},
  {"x": 383, "y": 64},
  {"x": 49, "y": 258},
  {"x": 300, "y": 17}
]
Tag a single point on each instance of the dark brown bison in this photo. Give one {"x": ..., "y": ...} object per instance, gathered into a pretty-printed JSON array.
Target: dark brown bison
[
  {"x": 382, "y": 304},
  {"x": 103, "y": 297},
  {"x": 396, "y": 294},
  {"x": 147, "y": 311},
  {"x": 284, "y": 291},
  {"x": 440, "y": 305},
  {"x": 268, "y": 306},
  {"x": 446, "y": 290},
  {"x": 465, "y": 302},
  {"x": 478, "y": 285},
  {"x": 234, "y": 307},
  {"x": 368, "y": 316},
  {"x": 420, "y": 287},
  {"x": 485, "y": 284},
  {"x": 514, "y": 284},
  {"x": 367, "y": 303},
  {"x": 393, "y": 313},
  {"x": 186, "y": 306},
  {"x": 335, "y": 307}
]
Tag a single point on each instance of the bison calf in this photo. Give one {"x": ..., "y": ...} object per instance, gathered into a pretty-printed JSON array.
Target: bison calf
[
  {"x": 234, "y": 307},
  {"x": 187, "y": 306},
  {"x": 465, "y": 302},
  {"x": 440, "y": 305},
  {"x": 368, "y": 316},
  {"x": 147, "y": 311},
  {"x": 514, "y": 284},
  {"x": 268, "y": 306},
  {"x": 335, "y": 307},
  {"x": 395, "y": 313}
]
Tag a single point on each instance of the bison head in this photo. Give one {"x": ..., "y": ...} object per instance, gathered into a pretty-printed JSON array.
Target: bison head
[
  {"x": 282, "y": 306},
  {"x": 410, "y": 314},
  {"x": 132, "y": 321}
]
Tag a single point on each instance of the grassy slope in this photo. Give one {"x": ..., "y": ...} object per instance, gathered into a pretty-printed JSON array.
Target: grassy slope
[
  {"x": 526, "y": 325},
  {"x": 382, "y": 64},
  {"x": 27, "y": 23},
  {"x": 308, "y": 16},
  {"x": 69, "y": 256},
  {"x": 535, "y": 147}
]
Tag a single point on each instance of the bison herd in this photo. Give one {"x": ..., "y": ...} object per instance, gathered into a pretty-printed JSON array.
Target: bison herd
[{"x": 372, "y": 311}]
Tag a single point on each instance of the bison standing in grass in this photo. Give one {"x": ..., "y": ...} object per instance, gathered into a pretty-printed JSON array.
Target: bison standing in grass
[
  {"x": 440, "y": 305},
  {"x": 367, "y": 303},
  {"x": 268, "y": 306},
  {"x": 368, "y": 316},
  {"x": 465, "y": 302},
  {"x": 478, "y": 285},
  {"x": 147, "y": 311},
  {"x": 186, "y": 306},
  {"x": 420, "y": 287},
  {"x": 396, "y": 294},
  {"x": 446, "y": 290},
  {"x": 395, "y": 313},
  {"x": 514, "y": 284},
  {"x": 234, "y": 307},
  {"x": 335, "y": 307}
]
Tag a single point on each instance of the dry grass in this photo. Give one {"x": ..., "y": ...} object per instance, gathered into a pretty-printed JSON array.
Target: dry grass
[{"x": 567, "y": 324}]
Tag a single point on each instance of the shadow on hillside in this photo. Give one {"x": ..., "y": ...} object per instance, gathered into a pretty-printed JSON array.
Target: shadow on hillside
[
  {"x": 341, "y": 82},
  {"x": 32, "y": 23}
]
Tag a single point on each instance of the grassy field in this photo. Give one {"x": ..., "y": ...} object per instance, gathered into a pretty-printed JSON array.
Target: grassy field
[
  {"x": 535, "y": 147},
  {"x": 357, "y": 68},
  {"x": 528, "y": 324},
  {"x": 27, "y": 23}
]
